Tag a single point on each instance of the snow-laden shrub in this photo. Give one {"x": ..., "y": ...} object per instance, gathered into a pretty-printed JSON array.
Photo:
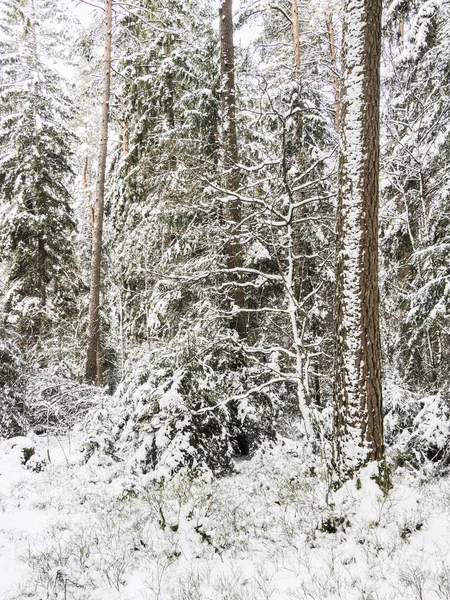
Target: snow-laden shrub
[
  {"x": 13, "y": 409},
  {"x": 430, "y": 439},
  {"x": 183, "y": 405},
  {"x": 15, "y": 452},
  {"x": 400, "y": 407},
  {"x": 418, "y": 428},
  {"x": 59, "y": 401}
]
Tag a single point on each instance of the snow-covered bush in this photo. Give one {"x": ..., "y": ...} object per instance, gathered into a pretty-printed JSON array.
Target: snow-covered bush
[
  {"x": 400, "y": 407},
  {"x": 59, "y": 401},
  {"x": 182, "y": 406},
  {"x": 430, "y": 439},
  {"x": 418, "y": 428},
  {"x": 16, "y": 451},
  {"x": 13, "y": 410}
]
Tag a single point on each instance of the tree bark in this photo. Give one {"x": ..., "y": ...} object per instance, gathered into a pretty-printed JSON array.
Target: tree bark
[
  {"x": 334, "y": 66},
  {"x": 94, "y": 362},
  {"x": 358, "y": 420},
  {"x": 232, "y": 209},
  {"x": 297, "y": 78},
  {"x": 296, "y": 39},
  {"x": 85, "y": 171},
  {"x": 125, "y": 138},
  {"x": 401, "y": 33}
]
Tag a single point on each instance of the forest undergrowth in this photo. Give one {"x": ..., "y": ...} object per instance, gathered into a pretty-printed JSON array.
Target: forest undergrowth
[{"x": 272, "y": 529}]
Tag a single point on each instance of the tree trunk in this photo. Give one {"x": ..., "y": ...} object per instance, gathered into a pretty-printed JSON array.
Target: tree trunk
[
  {"x": 358, "y": 420},
  {"x": 297, "y": 78},
  {"x": 334, "y": 67},
  {"x": 296, "y": 39},
  {"x": 300, "y": 248},
  {"x": 125, "y": 138},
  {"x": 232, "y": 210},
  {"x": 85, "y": 171},
  {"x": 93, "y": 362},
  {"x": 401, "y": 33}
]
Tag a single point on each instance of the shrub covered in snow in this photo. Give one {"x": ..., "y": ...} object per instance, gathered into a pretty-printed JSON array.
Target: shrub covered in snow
[
  {"x": 430, "y": 439},
  {"x": 418, "y": 429},
  {"x": 59, "y": 401},
  {"x": 183, "y": 406},
  {"x": 20, "y": 449},
  {"x": 13, "y": 409}
]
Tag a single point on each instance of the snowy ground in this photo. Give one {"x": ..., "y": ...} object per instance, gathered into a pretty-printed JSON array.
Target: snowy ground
[{"x": 266, "y": 532}]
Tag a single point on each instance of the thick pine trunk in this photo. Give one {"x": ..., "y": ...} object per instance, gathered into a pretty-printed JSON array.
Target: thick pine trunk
[
  {"x": 232, "y": 210},
  {"x": 358, "y": 421},
  {"x": 94, "y": 362}
]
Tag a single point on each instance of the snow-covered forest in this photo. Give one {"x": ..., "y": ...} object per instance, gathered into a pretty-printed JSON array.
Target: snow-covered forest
[{"x": 224, "y": 299}]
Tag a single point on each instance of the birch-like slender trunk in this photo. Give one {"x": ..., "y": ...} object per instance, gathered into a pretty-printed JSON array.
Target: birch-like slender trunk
[
  {"x": 296, "y": 38},
  {"x": 85, "y": 172},
  {"x": 85, "y": 181},
  {"x": 401, "y": 33},
  {"x": 232, "y": 209},
  {"x": 301, "y": 370},
  {"x": 125, "y": 138},
  {"x": 358, "y": 420},
  {"x": 297, "y": 51},
  {"x": 298, "y": 246},
  {"x": 334, "y": 68},
  {"x": 94, "y": 362}
]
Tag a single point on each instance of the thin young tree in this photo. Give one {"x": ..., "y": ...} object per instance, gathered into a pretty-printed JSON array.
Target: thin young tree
[
  {"x": 232, "y": 209},
  {"x": 358, "y": 420},
  {"x": 296, "y": 37},
  {"x": 94, "y": 362},
  {"x": 333, "y": 65}
]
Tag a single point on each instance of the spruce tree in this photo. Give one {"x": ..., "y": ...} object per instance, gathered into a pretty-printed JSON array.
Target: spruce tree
[
  {"x": 415, "y": 192},
  {"x": 36, "y": 222}
]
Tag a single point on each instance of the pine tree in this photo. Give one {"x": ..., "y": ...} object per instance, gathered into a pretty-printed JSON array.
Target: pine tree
[{"x": 358, "y": 418}]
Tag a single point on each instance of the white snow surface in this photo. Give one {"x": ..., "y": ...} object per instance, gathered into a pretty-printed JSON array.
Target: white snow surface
[{"x": 91, "y": 531}]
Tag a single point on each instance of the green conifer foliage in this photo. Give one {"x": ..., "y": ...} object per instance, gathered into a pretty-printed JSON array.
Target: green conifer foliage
[
  {"x": 13, "y": 410},
  {"x": 416, "y": 189},
  {"x": 35, "y": 146}
]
